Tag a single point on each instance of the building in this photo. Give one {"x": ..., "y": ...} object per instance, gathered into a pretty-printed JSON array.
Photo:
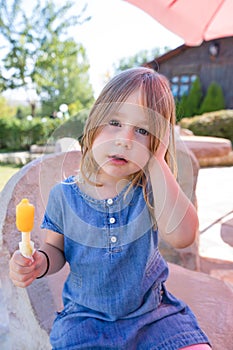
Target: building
[{"x": 212, "y": 61}]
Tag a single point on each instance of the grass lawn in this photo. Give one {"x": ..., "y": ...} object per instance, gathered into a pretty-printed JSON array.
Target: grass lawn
[{"x": 6, "y": 171}]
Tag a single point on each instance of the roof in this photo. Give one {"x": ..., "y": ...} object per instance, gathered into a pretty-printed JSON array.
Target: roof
[
  {"x": 165, "y": 57},
  {"x": 180, "y": 49}
]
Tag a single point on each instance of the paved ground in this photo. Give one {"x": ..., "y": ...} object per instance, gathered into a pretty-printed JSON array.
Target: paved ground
[{"x": 215, "y": 200}]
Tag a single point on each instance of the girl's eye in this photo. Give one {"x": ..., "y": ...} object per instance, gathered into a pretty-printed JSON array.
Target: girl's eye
[
  {"x": 142, "y": 131},
  {"x": 114, "y": 122}
]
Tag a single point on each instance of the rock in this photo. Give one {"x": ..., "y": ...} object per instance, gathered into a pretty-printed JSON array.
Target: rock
[
  {"x": 209, "y": 151},
  {"x": 4, "y": 319},
  {"x": 22, "y": 329},
  {"x": 211, "y": 301},
  {"x": 19, "y": 158},
  {"x": 36, "y": 149},
  {"x": 224, "y": 275},
  {"x": 227, "y": 230},
  {"x": 206, "y": 146},
  {"x": 67, "y": 144}
]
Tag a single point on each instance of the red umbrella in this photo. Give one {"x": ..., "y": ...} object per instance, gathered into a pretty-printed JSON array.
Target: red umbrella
[{"x": 192, "y": 20}]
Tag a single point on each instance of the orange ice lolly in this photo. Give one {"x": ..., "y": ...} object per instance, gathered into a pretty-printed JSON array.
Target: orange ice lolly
[{"x": 25, "y": 222}]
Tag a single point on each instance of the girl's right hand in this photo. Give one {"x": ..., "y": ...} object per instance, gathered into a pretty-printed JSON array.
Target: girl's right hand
[{"x": 24, "y": 271}]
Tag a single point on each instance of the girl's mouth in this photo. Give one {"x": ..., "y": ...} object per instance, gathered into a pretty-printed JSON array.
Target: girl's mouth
[{"x": 118, "y": 159}]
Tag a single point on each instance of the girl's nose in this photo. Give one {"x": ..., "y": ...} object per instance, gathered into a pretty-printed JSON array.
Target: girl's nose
[{"x": 125, "y": 136}]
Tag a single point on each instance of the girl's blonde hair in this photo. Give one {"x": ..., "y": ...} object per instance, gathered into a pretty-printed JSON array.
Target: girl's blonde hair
[{"x": 157, "y": 102}]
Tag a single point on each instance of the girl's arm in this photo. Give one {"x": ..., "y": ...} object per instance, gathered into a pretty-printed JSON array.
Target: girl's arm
[
  {"x": 54, "y": 248},
  {"x": 175, "y": 215},
  {"x": 24, "y": 271}
]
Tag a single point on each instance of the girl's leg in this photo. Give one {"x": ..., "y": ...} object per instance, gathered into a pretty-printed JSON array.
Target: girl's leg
[{"x": 197, "y": 347}]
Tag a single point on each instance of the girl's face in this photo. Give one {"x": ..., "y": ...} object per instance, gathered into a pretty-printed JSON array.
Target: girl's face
[{"x": 121, "y": 147}]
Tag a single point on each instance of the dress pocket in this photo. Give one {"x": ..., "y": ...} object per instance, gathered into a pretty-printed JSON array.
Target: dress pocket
[{"x": 158, "y": 293}]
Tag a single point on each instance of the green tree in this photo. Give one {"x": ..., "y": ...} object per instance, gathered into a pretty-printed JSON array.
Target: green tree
[
  {"x": 214, "y": 99},
  {"x": 31, "y": 43},
  {"x": 139, "y": 59},
  {"x": 6, "y": 110},
  {"x": 68, "y": 79}
]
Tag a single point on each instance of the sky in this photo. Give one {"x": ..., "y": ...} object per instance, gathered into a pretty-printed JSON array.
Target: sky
[{"x": 118, "y": 29}]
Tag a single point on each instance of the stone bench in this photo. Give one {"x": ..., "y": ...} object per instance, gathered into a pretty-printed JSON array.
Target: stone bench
[
  {"x": 211, "y": 301},
  {"x": 31, "y": 311},
  {"x": 209, "y": 151}
]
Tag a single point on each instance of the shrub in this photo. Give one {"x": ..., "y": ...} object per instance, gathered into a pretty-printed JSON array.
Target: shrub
[
  {"x": 194, "y": 104},
  {"x": 189, "y": 105},
  {"x": 214, "y": 99},
  {"x": 181, "y": 108},
  {"x": 72, "y": 127},
  {"x": 218, "y": 124},
  {"x": 16, "y": 134}
]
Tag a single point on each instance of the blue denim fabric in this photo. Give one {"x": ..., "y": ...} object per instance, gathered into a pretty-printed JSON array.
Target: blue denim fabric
[{"x": 114, "y": 296}]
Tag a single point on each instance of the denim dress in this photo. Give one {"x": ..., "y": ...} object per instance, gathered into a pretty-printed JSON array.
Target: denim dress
[{"x": 114, "y": 296}]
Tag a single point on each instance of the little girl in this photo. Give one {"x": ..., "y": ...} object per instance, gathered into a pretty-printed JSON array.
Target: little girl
[{"x": 105, "y": 223}]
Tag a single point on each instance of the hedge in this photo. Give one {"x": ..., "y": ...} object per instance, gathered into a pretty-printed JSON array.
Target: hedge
[
  {"x": 217, "y": 124},
  {"x": 18, "y": 134}
]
